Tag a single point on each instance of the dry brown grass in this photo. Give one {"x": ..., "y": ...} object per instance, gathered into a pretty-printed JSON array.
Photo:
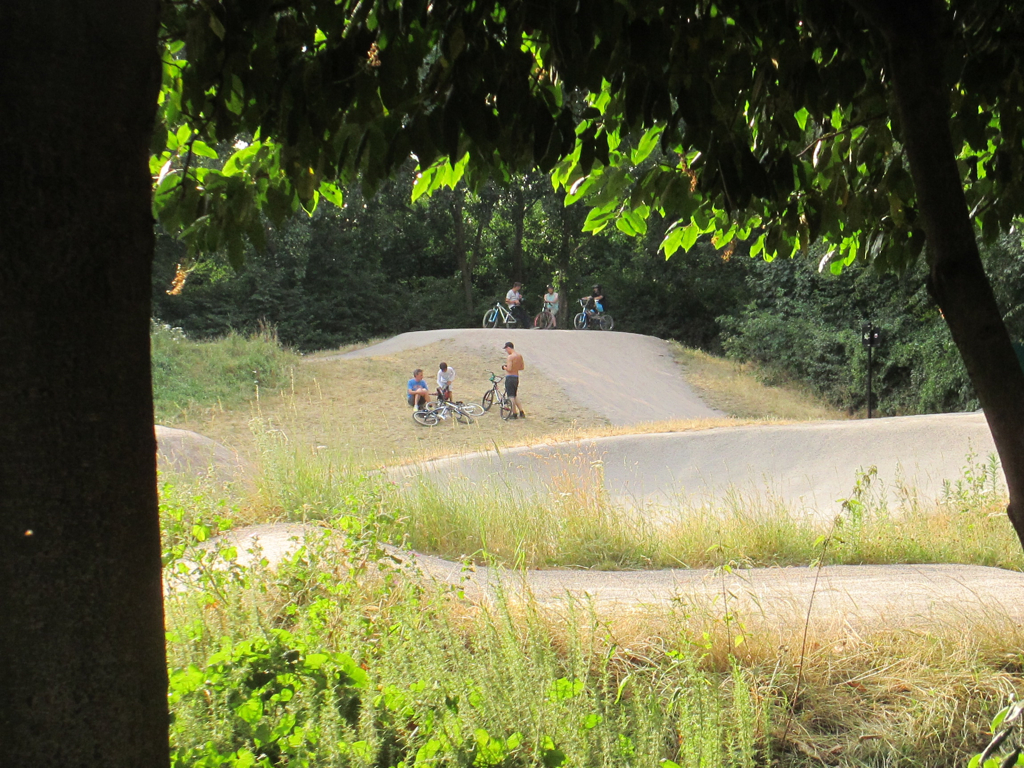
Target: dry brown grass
[
  {"x": 734, "y": 388},
  {"x": 917, "y": 696},
  {"x": 357, "y": 407}
]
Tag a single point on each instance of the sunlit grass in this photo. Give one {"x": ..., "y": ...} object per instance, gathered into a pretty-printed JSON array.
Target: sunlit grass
[{"x": 588, "y": 679}]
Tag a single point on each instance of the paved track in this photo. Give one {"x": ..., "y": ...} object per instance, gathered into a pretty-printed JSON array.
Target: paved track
[
  {"x": 834, "y": 600},
  {"x": 626, "y": 377},
  {"x": 631, "y": 379}
]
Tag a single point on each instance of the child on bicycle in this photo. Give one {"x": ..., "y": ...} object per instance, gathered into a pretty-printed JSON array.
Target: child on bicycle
[
  {"x": 445, "y": 374},
  {"x": 597, "y": 299},
  {"x": 551, "y": 304}
]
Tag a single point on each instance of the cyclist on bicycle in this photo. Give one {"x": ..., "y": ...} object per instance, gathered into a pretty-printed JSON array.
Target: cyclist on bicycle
[
  {"x": 445, "y": 374},
  {"x": 514, "y": 300},
  {"x": 597, "y": 298},
  {"x": 551, "y": 304}
]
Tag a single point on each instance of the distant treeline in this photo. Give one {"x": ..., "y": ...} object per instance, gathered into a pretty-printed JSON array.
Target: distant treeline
[{"x": 383, "y": 266}]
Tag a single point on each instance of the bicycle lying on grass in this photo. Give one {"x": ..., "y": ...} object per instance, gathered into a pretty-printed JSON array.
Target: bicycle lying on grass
[
  {"x": 593, "y": 319},
  {"x": 495, "y": 394},
  {"x": 443, "y": 408}
]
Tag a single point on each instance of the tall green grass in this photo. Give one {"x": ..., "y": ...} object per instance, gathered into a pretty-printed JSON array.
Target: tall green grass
[
  {"x": 338, "y": 657},
  {"x": 191, "y": 377},
  {"x": 573, "y": 523}
]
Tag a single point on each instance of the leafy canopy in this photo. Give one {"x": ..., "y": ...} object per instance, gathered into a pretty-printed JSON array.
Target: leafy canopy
[{"x": 770, "y": 120}]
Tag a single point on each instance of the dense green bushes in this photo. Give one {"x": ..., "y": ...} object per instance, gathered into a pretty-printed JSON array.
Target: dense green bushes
[{"x": 806, "y": 325}]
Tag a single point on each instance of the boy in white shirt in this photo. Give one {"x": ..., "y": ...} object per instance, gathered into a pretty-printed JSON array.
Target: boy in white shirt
[{"x": 445, "y": 374}]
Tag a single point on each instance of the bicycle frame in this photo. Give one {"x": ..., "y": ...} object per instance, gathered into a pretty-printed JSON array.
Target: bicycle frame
[{"x": 499, "y": 314}]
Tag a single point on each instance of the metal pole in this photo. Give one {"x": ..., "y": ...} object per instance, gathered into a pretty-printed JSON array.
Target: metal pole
[
  {"x": 869, "y": 375},
  {"x": 869, "y": 338}
]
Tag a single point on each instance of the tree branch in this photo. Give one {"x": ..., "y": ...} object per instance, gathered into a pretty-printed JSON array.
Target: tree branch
[{"x": 840, "y": 132}]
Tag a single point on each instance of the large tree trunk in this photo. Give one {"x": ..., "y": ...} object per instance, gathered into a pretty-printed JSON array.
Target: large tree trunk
[
  {"x": 957, "y": 278},
  {"x": 81, "y": 613}
]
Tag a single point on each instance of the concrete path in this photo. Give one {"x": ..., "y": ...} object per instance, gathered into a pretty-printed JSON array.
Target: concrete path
[
  {"x": 807, "y": 466},
  {"x": 633, "y": 378},
  {"x": 831, "y": 600},
  {"x": 626, "y": 377}
]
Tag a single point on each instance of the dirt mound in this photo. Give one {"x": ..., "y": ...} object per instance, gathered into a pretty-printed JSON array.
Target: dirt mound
[{"x": 182, "y": 452}]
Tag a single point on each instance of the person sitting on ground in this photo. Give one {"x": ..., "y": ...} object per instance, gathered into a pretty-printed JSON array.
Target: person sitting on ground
[
  {"x": 551, "y": 304},
  {"x": 418, "y": 394},
  {"x": 445, "y": 374},
  {"x": 514, "y": 300}
]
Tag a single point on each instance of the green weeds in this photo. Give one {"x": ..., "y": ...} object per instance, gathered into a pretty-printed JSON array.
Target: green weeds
[{"x": 190, "y": 378}]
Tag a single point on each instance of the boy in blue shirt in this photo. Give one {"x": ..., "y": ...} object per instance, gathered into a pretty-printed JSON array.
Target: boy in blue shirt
[{"x": 418, "y": 394}]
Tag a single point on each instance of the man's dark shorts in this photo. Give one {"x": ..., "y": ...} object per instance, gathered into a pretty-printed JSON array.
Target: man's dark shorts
[{"x": 511, "y": 385}]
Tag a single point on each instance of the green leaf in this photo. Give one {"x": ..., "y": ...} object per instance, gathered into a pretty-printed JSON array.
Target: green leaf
[
  {"x": 217, "y": 26},
  {"x": 202, "y": 149},
  {"x": 647, "y": 144},
  {"x": 624, "y": 225},
  {"x": 332, "y": 193},
  {"x": 690, "y": 234},
  {"x": 801, "y": 118},
  {"x": 251, "y": 710},
  {"x": 563, "y": 689},
  {"x": 597, "y": 220},
  {"x": 998, "y": 719}
]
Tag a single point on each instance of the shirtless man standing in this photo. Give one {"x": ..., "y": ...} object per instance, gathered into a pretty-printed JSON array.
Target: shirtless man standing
[{"x": 512, "y": 367}]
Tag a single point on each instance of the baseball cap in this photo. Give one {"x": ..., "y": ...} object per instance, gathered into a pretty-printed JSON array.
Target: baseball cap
[{"x": 509, "y": 345}]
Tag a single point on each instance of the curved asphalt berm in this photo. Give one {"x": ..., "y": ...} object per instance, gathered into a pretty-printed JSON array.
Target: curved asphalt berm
[
  {"x": 830, "y": 600},
  {"x": 632, "y": 378},
  {"x": 626, "y": 377},
  {"x": 810, "y": 467}
]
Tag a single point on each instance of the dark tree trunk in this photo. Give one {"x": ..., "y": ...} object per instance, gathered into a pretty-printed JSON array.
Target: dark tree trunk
[
  {"x": 517, "y": 213},
  {"x": 457, "y": 210},
  {"x": 957, "y": 278},
  {"x": 82, "y": 658}
]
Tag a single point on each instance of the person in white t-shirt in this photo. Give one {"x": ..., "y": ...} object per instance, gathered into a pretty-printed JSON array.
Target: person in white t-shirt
[
  {"x": 514, "y": 300},
  {"x": 445, "y": 374}
]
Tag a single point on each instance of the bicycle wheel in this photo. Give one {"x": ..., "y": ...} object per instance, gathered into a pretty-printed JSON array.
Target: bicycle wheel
[
  {"x": 505, "y": 408},
  {"x": 607, "y": 322},
  {"x": 490, "y": 321},
  {"x": 426, "y": 418},
  {"x": 472, "y": 409},
  {"x": 488, "y": 399},
  {"x": 580, "y": 321},
  {"x": 462, "y": 416}
]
